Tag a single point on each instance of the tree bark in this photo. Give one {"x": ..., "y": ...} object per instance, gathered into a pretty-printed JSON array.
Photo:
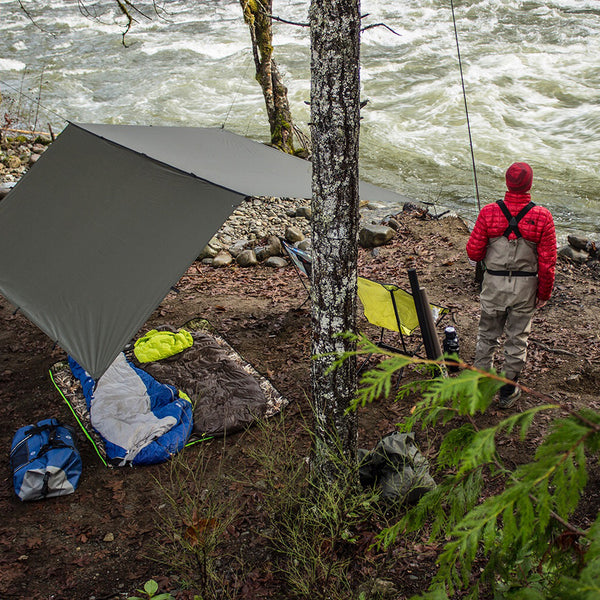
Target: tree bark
[
  {"x": 335, "y": 114},
  {"x": 257, "y": 14}
]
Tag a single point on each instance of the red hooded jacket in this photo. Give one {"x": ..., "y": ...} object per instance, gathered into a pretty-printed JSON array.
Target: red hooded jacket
[{"x": 536, "y": 226}]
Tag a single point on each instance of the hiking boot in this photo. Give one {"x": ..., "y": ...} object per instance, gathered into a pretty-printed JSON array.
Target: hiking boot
[{"x": 508, "y": 395}]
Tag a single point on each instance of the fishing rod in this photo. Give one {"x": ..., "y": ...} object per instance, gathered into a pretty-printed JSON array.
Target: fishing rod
[
  {"x": 462, "y": 80},
  {"x": 34, "y": 101}
]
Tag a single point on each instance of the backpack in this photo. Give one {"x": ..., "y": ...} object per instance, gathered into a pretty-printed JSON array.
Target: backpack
[{"x": 44, "y": 461}]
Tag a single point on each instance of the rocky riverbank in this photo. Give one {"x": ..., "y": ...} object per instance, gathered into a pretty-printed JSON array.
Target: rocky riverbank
[{"x": 251, "y": 235}]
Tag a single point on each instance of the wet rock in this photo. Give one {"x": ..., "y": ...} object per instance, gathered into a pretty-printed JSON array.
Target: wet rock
[{"x": 578, "y": 256}]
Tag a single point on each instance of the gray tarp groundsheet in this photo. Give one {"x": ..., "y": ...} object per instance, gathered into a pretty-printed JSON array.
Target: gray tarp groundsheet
[{"x": 105, "y": 223}]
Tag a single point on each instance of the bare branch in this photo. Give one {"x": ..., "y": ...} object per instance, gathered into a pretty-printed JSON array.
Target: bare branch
[
  {"x": 33, "y": 21},
  {"x": 288, "y": 22},
  {"x": 380, "y": 25}
]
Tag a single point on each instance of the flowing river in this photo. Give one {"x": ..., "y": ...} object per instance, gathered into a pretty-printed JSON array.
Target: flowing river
[{"x": 531, "y": 73}]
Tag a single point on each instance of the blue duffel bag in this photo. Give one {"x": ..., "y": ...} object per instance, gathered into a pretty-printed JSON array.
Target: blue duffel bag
[{"x": 44, "y": 460}]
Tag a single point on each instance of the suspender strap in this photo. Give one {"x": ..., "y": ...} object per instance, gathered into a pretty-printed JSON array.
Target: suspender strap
[{"x": 513, "y": 221}]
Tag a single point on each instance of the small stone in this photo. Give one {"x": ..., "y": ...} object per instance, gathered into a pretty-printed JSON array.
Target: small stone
[
  {"x": 238, "y": 246},
  {"x": 277, "y": 262},
  {"x": 222, "y": 259},
  {"x": 293, "y": 235},
  {"x": 304, "y": 211},
  {"x": 305, "y": 245},
  {"x": 247, "y": 258},
  {"x": 375, "y": 235},
  {"x": 109, "y": 537}
]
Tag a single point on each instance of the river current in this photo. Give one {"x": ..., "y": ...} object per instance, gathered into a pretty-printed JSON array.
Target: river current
[{"x": 531, "y": 73}]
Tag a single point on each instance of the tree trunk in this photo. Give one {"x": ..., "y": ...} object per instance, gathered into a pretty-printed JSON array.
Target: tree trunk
[
  {"x": 257, "y": 14},
  {"x": 335, "y": 114}
]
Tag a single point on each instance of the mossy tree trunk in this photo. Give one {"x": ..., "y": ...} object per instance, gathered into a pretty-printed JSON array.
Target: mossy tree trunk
[
  {"x": 257, "y": 14},
  {"x": 335, "y": 114}
]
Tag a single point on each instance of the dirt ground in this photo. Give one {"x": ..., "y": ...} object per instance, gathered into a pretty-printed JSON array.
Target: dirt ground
[{"x": 98, "y": 542}]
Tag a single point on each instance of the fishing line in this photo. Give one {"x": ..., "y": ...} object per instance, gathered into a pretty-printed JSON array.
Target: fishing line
[
  {"x": 235, "y": 96},
  {"x": 34, "y": 101},
  {"x": 462, "y": 80}
]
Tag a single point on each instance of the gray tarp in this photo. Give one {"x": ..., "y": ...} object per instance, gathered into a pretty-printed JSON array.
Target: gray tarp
[{"x": 110, "y": 217}]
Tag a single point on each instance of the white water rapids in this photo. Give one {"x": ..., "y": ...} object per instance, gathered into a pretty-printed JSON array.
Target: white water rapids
[{"x": 531, "y": 72}]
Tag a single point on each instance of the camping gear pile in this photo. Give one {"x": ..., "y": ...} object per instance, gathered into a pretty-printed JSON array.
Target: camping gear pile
[{"x": 171, "y": 389}]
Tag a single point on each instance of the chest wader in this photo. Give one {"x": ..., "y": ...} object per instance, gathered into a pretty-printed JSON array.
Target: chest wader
[{"x": 507, "y": 296}]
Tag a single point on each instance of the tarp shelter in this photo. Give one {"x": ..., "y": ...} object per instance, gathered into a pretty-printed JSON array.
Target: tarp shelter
[{"x": 94, "y": 236}]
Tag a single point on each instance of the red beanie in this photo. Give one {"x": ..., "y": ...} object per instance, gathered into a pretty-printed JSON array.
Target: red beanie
[{"x": 519, "y": 177}]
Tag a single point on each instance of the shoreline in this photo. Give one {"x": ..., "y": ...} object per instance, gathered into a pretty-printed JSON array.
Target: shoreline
[{"x": 24, "y": 151}]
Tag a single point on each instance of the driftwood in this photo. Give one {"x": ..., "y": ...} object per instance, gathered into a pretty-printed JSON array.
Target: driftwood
[
  {"x": 550, "y": 349},
  {"x": 28, "y": 132}
]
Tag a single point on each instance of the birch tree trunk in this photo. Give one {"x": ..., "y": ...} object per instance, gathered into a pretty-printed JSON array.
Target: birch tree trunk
[
  {"x": 257, "y": 14},
  {"x": 335, "y": 114}
]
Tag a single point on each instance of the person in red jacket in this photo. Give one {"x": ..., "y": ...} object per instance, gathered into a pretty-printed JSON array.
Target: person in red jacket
[{"x": 516, "y": 241}]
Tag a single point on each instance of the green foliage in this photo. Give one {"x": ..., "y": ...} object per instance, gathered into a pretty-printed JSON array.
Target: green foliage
[
  {"x": 149, "y": 591},
  {"x": 320, "y": 531},
  {"x": 192, "y": 524},
  {"x": 518, "y": 542}
]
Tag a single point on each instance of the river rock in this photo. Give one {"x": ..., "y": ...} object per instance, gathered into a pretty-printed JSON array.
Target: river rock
[
  {"x": 305, "y": 245},
  {"x": 238, "y": 247},
  {"x": 13, "y": 162},
  {"x": 211, "y": 249},
  {"x": 304, "y": 211},
  {"x": 578, "y": 256},
  {"x": 274, "y": 245},
  {"x": 277, "y": 262},
  {"x": 371, "y": 236},
  {"x": 577, "y": 242},
  {"x": 246, "y": 258},
  {"x": 222, "y": 259},
  {"x": 293, "y": 235},
  {"x": 5, "y": 188}
]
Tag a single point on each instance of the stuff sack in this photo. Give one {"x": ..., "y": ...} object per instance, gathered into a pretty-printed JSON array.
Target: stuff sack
[
  {"x": 397, "y": 467},
  {"x": 44, "y": 461}
]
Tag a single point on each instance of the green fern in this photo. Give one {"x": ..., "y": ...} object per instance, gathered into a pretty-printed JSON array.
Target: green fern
[{"x": 517, "y": 543}]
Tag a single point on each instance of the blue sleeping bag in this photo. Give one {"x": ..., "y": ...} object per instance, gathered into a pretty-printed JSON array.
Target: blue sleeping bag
[{"x": 141, "y": 421}]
